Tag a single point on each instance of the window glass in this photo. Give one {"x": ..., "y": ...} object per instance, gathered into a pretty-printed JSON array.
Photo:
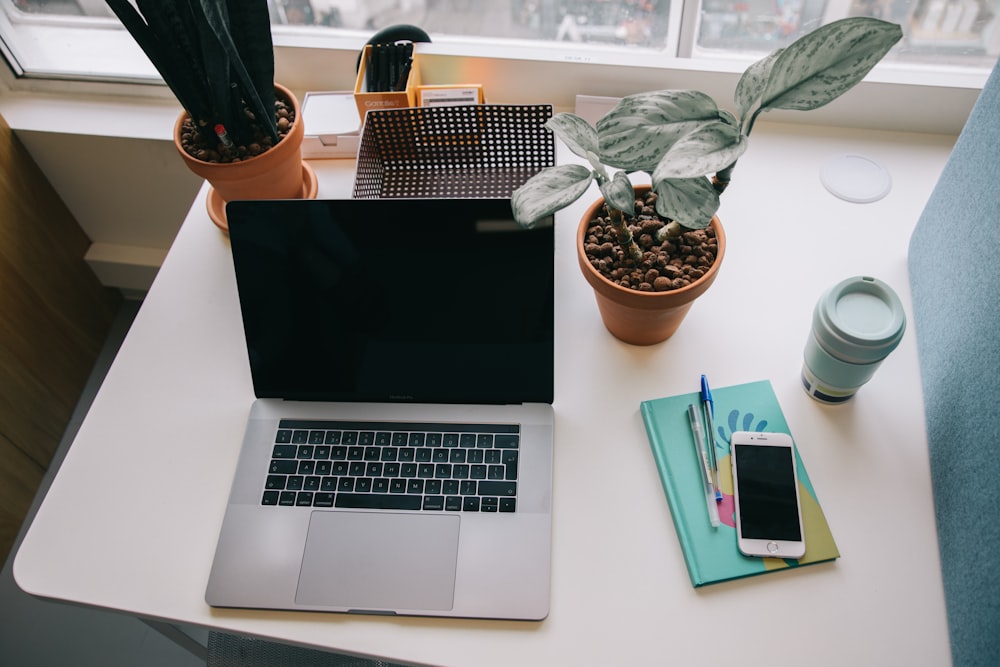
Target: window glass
[{"x": 75, "y": 36}]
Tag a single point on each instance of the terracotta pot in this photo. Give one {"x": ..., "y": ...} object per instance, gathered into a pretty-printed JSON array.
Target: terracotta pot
[
  {"x": 278, "y": 173},
  {"x": 642, "y": 318}
]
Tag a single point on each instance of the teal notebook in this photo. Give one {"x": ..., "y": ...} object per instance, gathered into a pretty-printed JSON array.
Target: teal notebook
[{"x": 710, "y": 553}]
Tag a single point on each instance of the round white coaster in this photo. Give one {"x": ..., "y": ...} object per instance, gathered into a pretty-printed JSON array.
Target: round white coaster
[{"x": 855, "y": 178}]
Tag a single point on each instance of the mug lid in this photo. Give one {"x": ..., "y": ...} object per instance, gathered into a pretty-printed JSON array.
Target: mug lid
[{"x": 860, "y": 320}]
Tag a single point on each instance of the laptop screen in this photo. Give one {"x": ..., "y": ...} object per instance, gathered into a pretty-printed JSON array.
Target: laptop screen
[{"x": 418, "y": 300}]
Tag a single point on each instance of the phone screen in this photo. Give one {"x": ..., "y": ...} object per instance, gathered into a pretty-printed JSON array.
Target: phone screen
[{"x": 766, "y": 479}]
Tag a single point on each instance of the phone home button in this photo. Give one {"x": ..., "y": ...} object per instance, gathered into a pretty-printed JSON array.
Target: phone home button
[{"x": 772, "y": 547}]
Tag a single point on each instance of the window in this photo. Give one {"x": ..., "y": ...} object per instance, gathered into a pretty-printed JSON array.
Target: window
[{"x": 80, "y": 38}]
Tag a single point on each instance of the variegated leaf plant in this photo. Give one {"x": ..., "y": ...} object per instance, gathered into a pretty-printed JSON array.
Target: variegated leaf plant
[{"x": 686, "y": 143}]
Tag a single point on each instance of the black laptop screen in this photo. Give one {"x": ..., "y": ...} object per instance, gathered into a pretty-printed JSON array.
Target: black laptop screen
[{"x": 441, "y": 301}]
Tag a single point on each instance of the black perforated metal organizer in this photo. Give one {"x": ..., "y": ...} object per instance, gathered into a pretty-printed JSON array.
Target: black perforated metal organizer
[{"x": 465, "y": 152}]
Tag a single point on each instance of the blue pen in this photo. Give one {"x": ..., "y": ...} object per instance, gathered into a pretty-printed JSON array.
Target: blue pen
[{"x": 708, "y": 410}]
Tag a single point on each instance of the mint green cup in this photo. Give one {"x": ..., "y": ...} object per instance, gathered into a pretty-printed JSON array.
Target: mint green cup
[{"x": 855, "y": 325}]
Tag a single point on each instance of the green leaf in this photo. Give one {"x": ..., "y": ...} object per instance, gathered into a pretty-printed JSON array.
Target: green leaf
[
  {"x": 690, "y": 201},
  {"x": 706, "y": 150},
  {"x": 575, "y": 132},
  {"x": 548, "y": 191},
  {"x": 752, "y": 84},
  {"x": 619, "y": 194},
  {"x": 823, "y": 65},
  {"x": 640, "y": 129}
]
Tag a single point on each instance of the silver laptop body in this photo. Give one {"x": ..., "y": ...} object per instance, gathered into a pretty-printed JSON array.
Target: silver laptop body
[{"x": 397, "y": 339}]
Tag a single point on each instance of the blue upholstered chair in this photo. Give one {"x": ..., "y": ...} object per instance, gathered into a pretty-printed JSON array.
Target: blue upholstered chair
[{"x": 954, "y": 264}]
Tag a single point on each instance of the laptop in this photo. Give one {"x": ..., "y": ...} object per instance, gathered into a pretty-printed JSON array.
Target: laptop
[{"x": 398, "y": 456}]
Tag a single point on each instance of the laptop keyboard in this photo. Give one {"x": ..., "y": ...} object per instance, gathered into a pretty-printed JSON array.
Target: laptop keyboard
[{"x": 397, "y": 466}]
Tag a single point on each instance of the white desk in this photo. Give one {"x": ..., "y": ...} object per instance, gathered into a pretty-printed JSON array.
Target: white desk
[{"x": 132, "y": 518}]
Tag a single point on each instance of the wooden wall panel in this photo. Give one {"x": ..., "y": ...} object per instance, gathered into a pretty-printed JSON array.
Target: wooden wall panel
[{"x": 54, "y": 316}]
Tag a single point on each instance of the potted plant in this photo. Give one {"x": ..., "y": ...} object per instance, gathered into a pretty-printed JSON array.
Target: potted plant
[
  {"x": 239, "y": 130},
  {"x": 635, "y": 252}
]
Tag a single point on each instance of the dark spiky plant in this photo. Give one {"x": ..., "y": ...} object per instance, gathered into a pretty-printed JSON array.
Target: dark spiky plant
[{"x": 215, "y": 55}]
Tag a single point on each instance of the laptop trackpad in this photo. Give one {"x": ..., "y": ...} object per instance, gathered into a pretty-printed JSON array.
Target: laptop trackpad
[{"x": 379, "y": 562}]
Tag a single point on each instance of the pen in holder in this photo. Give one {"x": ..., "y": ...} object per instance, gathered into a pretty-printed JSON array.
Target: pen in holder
[{"x": 387, "y": 78}]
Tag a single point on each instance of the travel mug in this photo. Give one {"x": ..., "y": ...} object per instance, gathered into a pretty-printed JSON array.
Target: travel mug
[{"x": 855, "y": 325}]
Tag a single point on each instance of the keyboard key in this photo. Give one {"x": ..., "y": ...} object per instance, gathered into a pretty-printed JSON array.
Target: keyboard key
[
  {"x": 432, "y": 440},
  {"x": 425, "y": 470},
  {"x": 470, "y": 504},
  {"x": 457, "y": 456},
  {"x": 322, "y": 452},
  {"x": 492, "y": 488},
  {"x": 415, "y": 486},
  {"x": 397, "y": 485},
  {"x": 391, "y": 470},
  {"x": 468, "y": 488},
  {"x": 432, "y": 487},
  {"x": 408, "y": 470},
  {"x": 304, "y": 452},
  {"x": 453, "y": 503},
  {"x": 507, "y": 440},
  {"x": 328, "y": 484},
  {"x": 489, "y": 504},
  {"x": 345, "y": 484},
  {"x": 311, "y": 483},
  {"x": 363, "y": 485},
  {"x": 478, "y": 472},
  {"x": 356, "y": 469},
  {"x": 300, "y": 437},
  {"x": 339, "y": 453},
  {"x": 460, "y": 471},
  {"x": 339, "y": 468},
  {"x": 349, "y": 438},
  {"x": 496, "y": 472},
  {"x": 284, "y": 452},
  {"x": 508, "y": 504},
  {"x": 275, "y": 482},
  {"x": 383, "y": 439},
  {"x": 372, "y": 453},
  {"x": 449, "y": 439},
  {"x": 467, "y": 440},
  {"x": 295, "y": 482},
  {"x": 477, "y": 456},
  {"x": 434, "y": 503},
  {"x": 423, "y": 455},
  {"x": 324, "y": 467},
  {"x": 380, "y": 485},
  {"x": 484, "y": 441},
  {"x": 416, "y": 440},
  {"x": 373, "y": 469},
  {"x": 317, "y": 437},
  {"x": 270, "y": 498},
  {"x": 323, "y": 500},
  {"x": 333, "y": 437},
  {"x": 440, "y": 456},
  {"x": 442, "y": 471},
  {"x": 450, "y": 487},
  {"x": 355, "y": 453},
  {"x": 399, "y": 439},
  {"x": 492, "y": 456},
  {"x": 377, "y": 501},
  {"x": 306, "y": 467},
  {"x": 283, "y": 435},
  {"x": 366, "y": 438},
  {"x": 407, "y": 454},
  {"x": 510, "y": 464},
  {"x": 304, "y": 499},
  {"x": 284, "y": 467},
  {"x": 390, "y": 453},
  {"x": 287, "y": 499}
]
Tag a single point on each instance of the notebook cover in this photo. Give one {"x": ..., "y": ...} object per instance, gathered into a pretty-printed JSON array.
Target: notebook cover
[{"x": 710, "y": 553}]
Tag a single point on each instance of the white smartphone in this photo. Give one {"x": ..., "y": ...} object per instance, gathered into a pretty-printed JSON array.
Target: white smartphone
[{"x": 766, "y": 492}]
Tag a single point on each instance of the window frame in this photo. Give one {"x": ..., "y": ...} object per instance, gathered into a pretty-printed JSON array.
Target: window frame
[{"x": 892, "y": 97}]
